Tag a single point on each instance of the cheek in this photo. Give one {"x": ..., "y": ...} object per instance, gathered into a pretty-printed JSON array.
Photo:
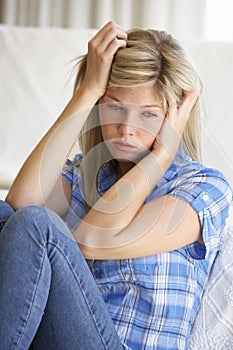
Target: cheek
[
  {"x": 147, "y": 139},
  {"x": 107, "y": 125},
  {"x": 102, "y": 115},
  {"x": 149, "y": 133},
  {"x": 107, "y": 131}
]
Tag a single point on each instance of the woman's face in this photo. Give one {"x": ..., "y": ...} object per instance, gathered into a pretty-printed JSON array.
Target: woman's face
[{"x": 130, "y": 121}]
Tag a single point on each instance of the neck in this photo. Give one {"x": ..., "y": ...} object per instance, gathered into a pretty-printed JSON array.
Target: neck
[{"x": 123, "y": 168}]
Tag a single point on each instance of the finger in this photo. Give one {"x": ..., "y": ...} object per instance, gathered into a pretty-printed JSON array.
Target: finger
[
  {"x": 114, "y": 46},
  {"x": 189, "y": 100},
  {"x": 169, "y": 138},
  {"x": 112, "y": 36},
  {"x": 106, "y": 35},
  {"x": 172, "y": 107},
  {"x": 110, "y": 26}
]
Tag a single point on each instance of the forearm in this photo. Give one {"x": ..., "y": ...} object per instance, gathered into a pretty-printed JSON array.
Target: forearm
[
  {"x": 162, "y": 225},
  {"x": 120, "y": 204},
  {"x": 42, "y": 168}
]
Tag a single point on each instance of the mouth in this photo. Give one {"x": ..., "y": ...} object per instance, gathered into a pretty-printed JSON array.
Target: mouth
[{"x": 124, "y": 146}]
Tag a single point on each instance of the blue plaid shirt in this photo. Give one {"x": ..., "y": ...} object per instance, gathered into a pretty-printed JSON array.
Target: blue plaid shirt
[{"x": 153, "y": 301}]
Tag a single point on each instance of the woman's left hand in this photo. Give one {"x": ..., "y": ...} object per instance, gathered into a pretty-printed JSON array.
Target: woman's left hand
[{"x": 175, "y": 121}]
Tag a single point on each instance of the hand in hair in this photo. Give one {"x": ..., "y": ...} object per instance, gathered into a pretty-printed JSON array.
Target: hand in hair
[
  {"x": 174, "y": 124},
  {"x": 101, "y": 50}
]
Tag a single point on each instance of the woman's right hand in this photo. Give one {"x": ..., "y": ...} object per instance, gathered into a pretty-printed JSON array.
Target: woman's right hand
[
  {"x": 41, "y": 171},
  {"x": 101, "y": 50}
]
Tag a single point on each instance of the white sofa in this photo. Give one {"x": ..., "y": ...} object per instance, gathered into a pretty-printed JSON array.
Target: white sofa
[{"x": 35, "y": 84}]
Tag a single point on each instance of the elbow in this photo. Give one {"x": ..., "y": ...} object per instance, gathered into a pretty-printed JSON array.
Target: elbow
[{"x": 18, "y": 202}]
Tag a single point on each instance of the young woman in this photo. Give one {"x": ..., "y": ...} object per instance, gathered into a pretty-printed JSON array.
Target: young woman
[{"x": 146, "y": 217}]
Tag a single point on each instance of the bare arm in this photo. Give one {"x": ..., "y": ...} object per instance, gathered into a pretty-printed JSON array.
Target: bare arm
[
  {"x": 111, "y": 219},
  {"x": 162, "y": 225},
  {"x": 60, "y": 197},
  {"x": 40, "y": 173}
]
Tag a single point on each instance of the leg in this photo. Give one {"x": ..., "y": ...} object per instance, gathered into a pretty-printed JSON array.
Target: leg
[
  {"x": 47, "y": 290},
  {"x": 5, "y": 212}
]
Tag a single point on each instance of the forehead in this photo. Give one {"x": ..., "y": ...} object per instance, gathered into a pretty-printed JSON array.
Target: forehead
[{"x": 143, "y": 95}]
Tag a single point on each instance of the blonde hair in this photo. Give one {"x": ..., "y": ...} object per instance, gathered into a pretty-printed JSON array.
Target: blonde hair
[{"x": 151, "y": 57}]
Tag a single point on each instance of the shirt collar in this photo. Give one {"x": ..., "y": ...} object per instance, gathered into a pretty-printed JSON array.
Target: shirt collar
[{"x": 107, "y": 174}]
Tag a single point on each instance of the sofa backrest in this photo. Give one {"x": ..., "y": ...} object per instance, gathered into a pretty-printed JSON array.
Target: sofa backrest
[{"x": 36, "y": 83}]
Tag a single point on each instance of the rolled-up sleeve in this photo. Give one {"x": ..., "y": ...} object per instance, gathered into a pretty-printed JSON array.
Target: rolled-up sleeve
[
  {"x": 210, "y": 195},
  {"x": 77, "y": 210},
  {"x": 68, "y": 171}
]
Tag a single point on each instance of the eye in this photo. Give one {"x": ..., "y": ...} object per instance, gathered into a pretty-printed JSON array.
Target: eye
[
  {"x": 148, "y": 114},
  {"x": 115, "y": 107}
]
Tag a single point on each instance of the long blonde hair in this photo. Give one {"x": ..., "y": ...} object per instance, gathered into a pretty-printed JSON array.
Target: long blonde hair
[{"x": 151, "y": 57}]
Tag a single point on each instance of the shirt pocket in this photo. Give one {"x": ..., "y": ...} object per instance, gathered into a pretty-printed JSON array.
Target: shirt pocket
[{"x": 145, "y": 270}]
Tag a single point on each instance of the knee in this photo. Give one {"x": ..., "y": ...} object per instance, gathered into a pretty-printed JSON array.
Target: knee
[
  {"x": 25, "y": 225},
  {"x": 30, "y": 214},
  {"x": 40, "y": 219},
  {"x": 5, "y": 211},
  {"x": 26, "y": 220}
]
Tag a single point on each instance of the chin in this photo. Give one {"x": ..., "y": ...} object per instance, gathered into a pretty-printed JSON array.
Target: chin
[{"x": 129, "y": 158}]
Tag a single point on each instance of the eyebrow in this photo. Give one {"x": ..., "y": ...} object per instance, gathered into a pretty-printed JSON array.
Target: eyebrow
[{"x": 143, "y": 106}]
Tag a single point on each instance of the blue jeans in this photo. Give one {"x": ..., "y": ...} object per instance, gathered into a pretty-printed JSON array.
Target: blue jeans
[{"x": 48, "y": 296}]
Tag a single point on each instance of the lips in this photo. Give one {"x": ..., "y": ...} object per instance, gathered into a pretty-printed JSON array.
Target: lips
[{"x": 124, "y": 146}]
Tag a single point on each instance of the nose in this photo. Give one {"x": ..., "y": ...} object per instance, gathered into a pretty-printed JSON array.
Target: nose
[
  {"x": 126, "y": 129},
  {"x": 127, "y": 126}
]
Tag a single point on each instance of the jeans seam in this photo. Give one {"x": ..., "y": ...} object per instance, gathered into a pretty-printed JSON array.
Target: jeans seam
[
  {"x": 30, "y": 307},
  {"x": 82, "y": 290}
]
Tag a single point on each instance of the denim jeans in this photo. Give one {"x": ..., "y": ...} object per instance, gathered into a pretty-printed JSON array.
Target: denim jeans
[{"x": 48, "y": 295}]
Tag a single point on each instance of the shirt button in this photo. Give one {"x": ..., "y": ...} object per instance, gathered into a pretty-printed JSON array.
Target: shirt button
[{"x": 205, "y": 197}]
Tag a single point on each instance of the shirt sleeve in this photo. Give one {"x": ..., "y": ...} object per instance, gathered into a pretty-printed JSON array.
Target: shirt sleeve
[
  {"x": 210, "y": 195},
  {"x": 68, "y": 172},
  {"x": 68, "y": 169}
]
